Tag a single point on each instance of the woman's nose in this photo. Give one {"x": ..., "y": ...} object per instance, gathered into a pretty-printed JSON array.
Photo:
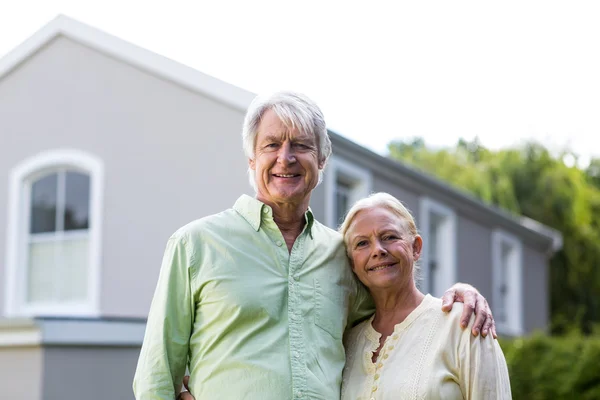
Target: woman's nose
[{"x": 378, "y": 249}]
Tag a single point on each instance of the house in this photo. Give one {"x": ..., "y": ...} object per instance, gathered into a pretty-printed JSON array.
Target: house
[{"x": 106, "y": 149}]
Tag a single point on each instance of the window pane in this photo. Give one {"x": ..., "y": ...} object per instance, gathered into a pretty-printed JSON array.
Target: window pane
[
  {"x": 505, "y": 251},
  {"x": 342, "y": 200},
  {"x": 42, "y": 274},
  {"x": 77, "y": 201},
  {"x": 43, "y": 204},
  {"x": 433, "y": 254},
  {"x": 58, "y": 271},
  {"x": 74, "y": 267}
]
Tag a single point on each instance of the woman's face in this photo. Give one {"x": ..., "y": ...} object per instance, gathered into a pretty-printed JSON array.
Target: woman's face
[{"x": 382, "y": 249}]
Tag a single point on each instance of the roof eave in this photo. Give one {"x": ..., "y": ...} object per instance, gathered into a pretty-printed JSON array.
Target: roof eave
[
  {"x": 143, "y": 59},
  {"x": 426, "y": 184}
]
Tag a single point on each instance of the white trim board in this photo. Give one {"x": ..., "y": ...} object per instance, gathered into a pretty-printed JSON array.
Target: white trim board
[
  {"x": 24, "y": 333},
  {"x": 141, "y": 58}
]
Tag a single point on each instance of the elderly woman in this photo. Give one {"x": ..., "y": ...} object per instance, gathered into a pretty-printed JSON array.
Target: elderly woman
[{"x": 409, "y": 348}]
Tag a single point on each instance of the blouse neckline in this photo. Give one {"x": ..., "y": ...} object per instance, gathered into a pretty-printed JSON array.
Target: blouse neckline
[{"x": 373, "y": 336}]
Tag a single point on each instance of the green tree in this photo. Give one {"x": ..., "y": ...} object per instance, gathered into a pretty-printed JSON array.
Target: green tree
[{"x": 530, "y": 181}]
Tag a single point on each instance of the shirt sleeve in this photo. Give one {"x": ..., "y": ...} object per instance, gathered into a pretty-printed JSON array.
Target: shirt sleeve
[
  {"x": 163, "y": 357},
  {"x": 362, "y": 307},
  {"x": 483, "y": 370}
]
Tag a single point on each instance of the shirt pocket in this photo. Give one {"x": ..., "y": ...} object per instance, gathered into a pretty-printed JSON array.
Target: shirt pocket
[{"x": 331, "y": 307}]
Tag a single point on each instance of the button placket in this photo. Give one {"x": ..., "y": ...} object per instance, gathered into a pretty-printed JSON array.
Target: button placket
[
  {"x": 385, "y": 352},
  {"x": 295, "y": 322}
]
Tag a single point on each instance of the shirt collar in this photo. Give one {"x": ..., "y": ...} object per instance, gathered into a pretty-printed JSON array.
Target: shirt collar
[{"x": 253, "y": 211}]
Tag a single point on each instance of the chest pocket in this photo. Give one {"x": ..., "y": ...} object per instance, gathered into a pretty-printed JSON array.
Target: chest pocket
[{"x": 331, "y": 307}]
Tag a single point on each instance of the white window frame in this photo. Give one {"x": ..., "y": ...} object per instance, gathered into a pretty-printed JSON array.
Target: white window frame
[
  {"x": 446, "y": 243},
  {"x": 514, "y": 276},
  {"x": 360, "y": 178},
  {"x": 20, "y": 178}
]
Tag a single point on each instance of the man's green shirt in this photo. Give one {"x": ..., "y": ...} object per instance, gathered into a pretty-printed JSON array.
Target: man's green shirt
[{"x": 254, "y": 320}]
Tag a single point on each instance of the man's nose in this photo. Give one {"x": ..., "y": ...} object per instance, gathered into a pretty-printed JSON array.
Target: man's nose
[{"x": 286, "y": 154}]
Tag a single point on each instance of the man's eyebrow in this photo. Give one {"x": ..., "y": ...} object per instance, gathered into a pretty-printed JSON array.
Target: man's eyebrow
[{"x": 271, "y": 137}]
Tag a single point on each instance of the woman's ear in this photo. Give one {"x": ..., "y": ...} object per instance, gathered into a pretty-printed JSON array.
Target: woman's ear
[
  {"x": 252, "y": 164},
  {"x": 351, "y": 262},
  {"x": 417, "y": 247}
]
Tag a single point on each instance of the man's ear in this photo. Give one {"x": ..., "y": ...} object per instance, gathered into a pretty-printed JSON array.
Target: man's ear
[
  {"x": 417, "y": 247},
  {"x": 252, "y": 164}
]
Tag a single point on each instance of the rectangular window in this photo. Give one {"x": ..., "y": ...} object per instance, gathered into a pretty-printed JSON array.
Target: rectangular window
[
  {"x": 345, "y": 183},
  {"x": 433, "y": 253},
  {"x": 437, "y": 224},
  {"x": 506, "y": 278}
]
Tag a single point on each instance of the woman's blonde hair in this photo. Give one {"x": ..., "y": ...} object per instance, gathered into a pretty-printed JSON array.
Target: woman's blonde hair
[{"x": 375, "y": 200}]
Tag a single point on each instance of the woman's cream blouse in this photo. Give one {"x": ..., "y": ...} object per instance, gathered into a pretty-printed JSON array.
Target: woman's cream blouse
[{"x": 428, "y": 356}]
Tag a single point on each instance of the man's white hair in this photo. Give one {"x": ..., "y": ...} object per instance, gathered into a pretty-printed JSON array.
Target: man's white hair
[{"x": 295, "y": 111}]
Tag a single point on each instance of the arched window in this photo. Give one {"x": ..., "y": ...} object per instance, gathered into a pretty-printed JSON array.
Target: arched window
[{"x": 53, "y": 255}]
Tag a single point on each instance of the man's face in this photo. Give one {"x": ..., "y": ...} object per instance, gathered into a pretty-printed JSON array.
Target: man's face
[{"x": 286, "y": 162}]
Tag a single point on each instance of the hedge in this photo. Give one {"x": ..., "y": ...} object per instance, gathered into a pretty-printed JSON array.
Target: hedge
[{"x": 546, "y": 367}]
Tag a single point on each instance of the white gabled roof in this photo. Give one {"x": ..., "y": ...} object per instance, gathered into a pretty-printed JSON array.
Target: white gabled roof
[{"x": 129, "y": 53}]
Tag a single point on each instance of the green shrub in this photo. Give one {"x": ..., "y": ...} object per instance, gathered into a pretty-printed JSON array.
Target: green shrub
[{"x": 545, "y": 367}]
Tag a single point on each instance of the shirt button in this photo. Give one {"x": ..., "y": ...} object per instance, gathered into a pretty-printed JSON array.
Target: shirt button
[
  {"x": 385, "y": 356},
  {"x": 395, "y": 337},
  {"x": 296, "y": 354},
  {"x": 296, "y": 277},
  {"x": 279, "y": 243},
  {"x": 265, "y": 210},
  {"x": 299, "y": 394},
  {"x": 376, "y": 376}
]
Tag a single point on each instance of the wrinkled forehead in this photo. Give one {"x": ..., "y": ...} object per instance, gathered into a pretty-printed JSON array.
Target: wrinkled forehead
[
  {"x": 376, "y": 219},
  {"x": 283, "y": 127}
]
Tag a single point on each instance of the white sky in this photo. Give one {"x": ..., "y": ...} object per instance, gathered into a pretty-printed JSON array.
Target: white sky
[{"x": 504, "y": 71}]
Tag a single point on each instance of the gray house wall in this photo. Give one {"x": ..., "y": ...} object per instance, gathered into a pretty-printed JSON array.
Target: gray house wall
[
  {"x": 536, "y": 290},
  {"x": 98, "y": 372},
  {"x": 409, "y": 198},
  {"x": 170, "y": 155},
  {"x": 21, "y": 372},
  {"x": 474, "y": 255}
]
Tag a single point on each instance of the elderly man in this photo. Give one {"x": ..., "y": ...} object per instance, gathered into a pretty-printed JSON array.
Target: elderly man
[{"x": 255, "y": 300}]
